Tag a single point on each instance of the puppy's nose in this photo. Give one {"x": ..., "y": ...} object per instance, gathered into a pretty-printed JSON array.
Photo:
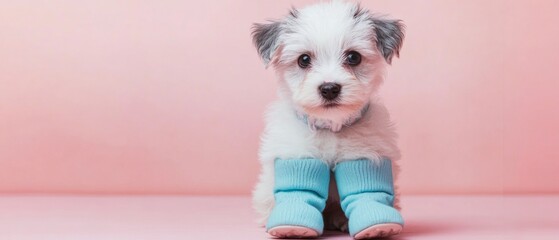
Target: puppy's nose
[{"x": 330, "y": 91}]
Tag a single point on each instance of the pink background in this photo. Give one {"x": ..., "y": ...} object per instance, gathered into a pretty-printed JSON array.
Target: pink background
[{"x": 168, "y": 96}]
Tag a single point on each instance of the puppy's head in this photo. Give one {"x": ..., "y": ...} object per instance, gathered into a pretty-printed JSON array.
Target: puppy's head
[{"x": 330, "y": 57}]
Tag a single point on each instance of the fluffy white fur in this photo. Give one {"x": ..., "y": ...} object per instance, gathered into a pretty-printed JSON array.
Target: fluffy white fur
[{"x": 326, "y": 32}]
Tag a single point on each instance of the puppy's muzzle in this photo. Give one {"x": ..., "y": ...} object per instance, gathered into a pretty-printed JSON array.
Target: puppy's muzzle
[{"x": 330, "y": 91}]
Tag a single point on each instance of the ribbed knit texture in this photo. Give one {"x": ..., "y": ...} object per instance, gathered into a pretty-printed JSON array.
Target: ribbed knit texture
[
  {"x": 300, "y": 192},
  {"x": 367, "y": 193}
]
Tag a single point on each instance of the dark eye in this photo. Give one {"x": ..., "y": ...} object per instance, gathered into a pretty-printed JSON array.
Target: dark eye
[
  {"x": 304, "y": 61},
  {"x": 353, "y": 58}
]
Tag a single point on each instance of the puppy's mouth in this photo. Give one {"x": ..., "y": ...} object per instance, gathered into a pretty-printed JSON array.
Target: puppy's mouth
[{"x": 330, "y": 105}]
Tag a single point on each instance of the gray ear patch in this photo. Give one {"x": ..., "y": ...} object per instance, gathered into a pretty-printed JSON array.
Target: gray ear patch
[
  {"x": 390, "y": 36},
  {"x": 265, "y": 38}
]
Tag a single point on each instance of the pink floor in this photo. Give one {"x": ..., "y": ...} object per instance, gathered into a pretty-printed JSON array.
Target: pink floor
[{"x": 183, "y": 217}]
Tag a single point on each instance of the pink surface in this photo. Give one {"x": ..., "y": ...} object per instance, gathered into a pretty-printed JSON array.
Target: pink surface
[
  {"x": 174, "y": 217},
  {"x": 168, "y": 96}
]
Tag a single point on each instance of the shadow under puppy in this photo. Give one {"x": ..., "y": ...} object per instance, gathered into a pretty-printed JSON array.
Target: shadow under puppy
[{"x": 329, "y": 147}]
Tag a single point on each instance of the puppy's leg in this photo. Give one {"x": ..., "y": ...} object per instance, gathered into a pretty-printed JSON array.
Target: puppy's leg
[
  {"x": 300, "y": 191},
  {"x": 263, "y": 193},
  {"x": 367, "y": 191}
]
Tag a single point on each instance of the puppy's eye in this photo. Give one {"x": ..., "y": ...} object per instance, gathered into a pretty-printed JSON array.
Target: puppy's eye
[
  {"x": 353, "y": 58},
  {"x": 304, "y": 61}
]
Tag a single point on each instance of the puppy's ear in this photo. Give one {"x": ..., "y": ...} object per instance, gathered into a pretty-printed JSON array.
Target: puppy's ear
[
  {"x": 265, "y": 38},
  {"x": 389, "y": 36}
]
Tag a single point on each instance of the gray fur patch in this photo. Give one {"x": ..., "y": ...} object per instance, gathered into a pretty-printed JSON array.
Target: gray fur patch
[
  {"x": 265, "y": 38},
  {"x": 359, "y": 11},
  {"x": 389, "y": 37},
  {"x": 294, "y": 13}
]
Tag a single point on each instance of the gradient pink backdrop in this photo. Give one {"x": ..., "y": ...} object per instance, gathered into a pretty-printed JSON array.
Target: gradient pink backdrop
[{"x": 168, "y": 96}]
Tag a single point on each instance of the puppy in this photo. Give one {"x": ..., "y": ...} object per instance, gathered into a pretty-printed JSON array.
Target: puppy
[{"x": 329, "y": 147}]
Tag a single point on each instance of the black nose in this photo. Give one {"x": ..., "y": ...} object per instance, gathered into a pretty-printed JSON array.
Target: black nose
[{"x": 330, "y": 91}]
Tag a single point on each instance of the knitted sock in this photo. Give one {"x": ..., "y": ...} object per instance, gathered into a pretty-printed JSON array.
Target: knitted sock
[
  {"x": 300, "y": 192},
  {"x": 367, "y": 193}
]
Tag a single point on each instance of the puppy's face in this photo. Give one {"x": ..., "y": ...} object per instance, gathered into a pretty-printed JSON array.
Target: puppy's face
[{"x": 330, "y": 57}]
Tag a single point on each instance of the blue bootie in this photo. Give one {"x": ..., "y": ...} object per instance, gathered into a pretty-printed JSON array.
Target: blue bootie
[
  {"x": 367, "y": 196},
  {"x": 300, "y": 192}
]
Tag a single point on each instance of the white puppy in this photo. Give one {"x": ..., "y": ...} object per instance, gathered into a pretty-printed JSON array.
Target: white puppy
[{"x": 330, "y": 59}]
